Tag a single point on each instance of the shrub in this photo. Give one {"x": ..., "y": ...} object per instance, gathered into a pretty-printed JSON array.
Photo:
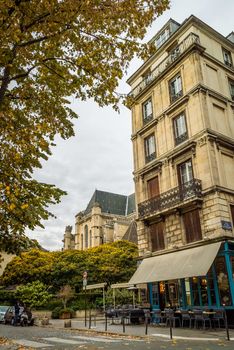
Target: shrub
[{"x": 56, "y": 312}]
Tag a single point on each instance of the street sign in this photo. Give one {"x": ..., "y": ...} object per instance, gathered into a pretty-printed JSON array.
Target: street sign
[{"x": 84, "y": 282}]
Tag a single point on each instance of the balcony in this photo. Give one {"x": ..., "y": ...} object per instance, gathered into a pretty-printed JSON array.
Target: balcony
[
  {"x": 190, "y": 40},
  {"x": 170, "y": 199}
]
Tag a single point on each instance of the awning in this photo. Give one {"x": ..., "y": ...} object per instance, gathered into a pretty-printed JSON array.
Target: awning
[
  {"x": 181, "y": 264},
  {"x": 95, "y": 286}
]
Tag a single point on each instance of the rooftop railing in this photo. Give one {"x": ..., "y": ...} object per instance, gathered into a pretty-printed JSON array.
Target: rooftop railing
[{"x": 168, "y": 61}]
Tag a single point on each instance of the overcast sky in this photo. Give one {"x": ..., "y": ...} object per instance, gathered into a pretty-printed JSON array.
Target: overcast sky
[{"x": 100, "y": 155}]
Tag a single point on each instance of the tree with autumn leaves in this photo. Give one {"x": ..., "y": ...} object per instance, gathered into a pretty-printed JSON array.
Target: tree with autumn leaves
[
  {"x": 111, "y": 263},
  {"x": 51, "y": 50}
]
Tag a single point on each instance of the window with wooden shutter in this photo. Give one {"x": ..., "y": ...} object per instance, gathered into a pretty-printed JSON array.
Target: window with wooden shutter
[
  {"x": 157, "y": 236},
  {"x": 153, "y": 187},
  {"x": 232, "y": 214},
  {"x": 192, "y": 226}
]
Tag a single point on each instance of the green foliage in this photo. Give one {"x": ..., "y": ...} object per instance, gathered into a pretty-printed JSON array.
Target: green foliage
[
  {"x": 111, "y": 263},
  {"x": 56, "y": 312},
  {"x": 49, "y": 51},
  {"x": 52, "y": 304},
  {"x": 33, "y": 294},
  {"x": 7, "y": 297}
]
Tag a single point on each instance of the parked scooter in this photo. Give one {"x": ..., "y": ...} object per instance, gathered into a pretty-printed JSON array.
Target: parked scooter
[{"x": 26, "y": 318}]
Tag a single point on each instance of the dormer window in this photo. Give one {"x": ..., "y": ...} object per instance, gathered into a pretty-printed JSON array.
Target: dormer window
[
  {"x": 147, "y": 110},
  {"x": 162, "y": 37},
  {"x": 227, "y": 57}
]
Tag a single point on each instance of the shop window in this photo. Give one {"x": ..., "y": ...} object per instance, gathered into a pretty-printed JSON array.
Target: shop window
[
  {"x": 231, "y": 86},
  {"x": 175, "y": 88},
  {"x": 195, "y": 291},
  {"x": 180, "y": 129},
  {"x": 232, "y": 265},
  {"x": 157, "y": 236},
  {"x": 227, "y": 57},
  {"x": 210, "y": 281},
  {"x": 222, "y": 280},
  {"x": 150, "y": 148},
  {"x": 192, "y": 226},
  {"x": 203, "y": 290},
  {"x": 155, "y": 294}
]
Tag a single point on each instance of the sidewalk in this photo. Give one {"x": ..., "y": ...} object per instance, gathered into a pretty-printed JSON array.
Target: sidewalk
[{"x": 139, "y": 330}]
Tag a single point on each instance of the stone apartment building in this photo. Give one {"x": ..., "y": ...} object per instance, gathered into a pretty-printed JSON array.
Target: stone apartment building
[
  {"x": 182, "y": 103},
  {"x": 107, "y": 218}
]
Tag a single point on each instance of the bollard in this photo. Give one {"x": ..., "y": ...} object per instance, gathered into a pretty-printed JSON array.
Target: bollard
[
  {"x": 90, "y": 320},
  {"x": 170, "y": 322},
  {"x": 123, "y": 321},
  {"x": 67, "y": 324},
  {"x": 146, "y": 324},
  {"x": 226, "y": 323},
  {"x": 105, "y": 321}
]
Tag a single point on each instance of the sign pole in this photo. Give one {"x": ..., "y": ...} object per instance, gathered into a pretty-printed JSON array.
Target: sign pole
[{"x": 85, "y": 275}]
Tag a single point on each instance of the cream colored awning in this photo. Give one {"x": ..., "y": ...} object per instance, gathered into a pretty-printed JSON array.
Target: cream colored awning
[
  {"x": 184, "y": 263},
  {"x": 95, "y": 286}
]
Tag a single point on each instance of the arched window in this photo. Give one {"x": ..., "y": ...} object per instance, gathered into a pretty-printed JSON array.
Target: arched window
[
  {"x": 86, "y": 232},
  {"x": 90, "y": 238},
  {"x": 81, "y": 242}
]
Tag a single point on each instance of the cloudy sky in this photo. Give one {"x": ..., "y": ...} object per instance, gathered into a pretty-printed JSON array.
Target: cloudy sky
[{"x": 100, "y": 155}]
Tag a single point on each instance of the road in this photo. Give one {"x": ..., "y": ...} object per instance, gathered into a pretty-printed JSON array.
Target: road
[{"x": 50, "y": 338}]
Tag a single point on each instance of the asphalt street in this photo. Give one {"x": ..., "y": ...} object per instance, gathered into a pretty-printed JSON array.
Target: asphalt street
[{"x": 53, "y": 338}]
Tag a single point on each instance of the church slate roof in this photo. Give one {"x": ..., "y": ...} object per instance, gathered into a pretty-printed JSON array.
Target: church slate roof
[{"x": 112, "y": 203}]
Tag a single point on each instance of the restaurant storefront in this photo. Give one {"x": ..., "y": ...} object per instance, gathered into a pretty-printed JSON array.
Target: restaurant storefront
[{"x": 197, "y": 277}]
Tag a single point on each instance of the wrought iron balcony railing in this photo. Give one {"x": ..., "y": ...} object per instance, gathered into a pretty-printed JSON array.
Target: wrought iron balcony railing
[
  {"x": 173, "y": 56},
  {"x": 170, "y": 198}
]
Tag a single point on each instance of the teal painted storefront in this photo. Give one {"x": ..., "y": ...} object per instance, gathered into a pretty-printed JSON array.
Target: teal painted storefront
[{"x": 214, "y": 290}]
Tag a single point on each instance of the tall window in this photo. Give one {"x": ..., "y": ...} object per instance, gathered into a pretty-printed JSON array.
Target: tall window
[
  {"x": 150, "y": 148},
  {"x": 180, "y": 129},
  {"x": 157, "y": 236},
  {"x": 90, "y": 238},
  {"x": 192, "y": 226},
  {"x": 185, "y": 172},
  {"x": 175, "y": 88},
  {"x": 231, "y": 86},
  {"x": 227, "y": 57},
  {"x": 86, "y": 236},
  {"x": 147, "y": 111}
]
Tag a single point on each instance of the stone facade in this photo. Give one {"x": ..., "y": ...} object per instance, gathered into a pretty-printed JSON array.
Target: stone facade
[
  {"x": 182, "y": 103},
  {"x": 106, "y": 219}
]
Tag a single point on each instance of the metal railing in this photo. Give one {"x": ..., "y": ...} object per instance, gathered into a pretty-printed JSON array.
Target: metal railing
[
  {"x": 170, "y": 198},
  {"x": 172, "y": 57}
]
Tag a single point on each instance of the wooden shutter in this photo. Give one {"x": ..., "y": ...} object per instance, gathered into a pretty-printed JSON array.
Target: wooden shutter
[
  {"x": 192, "y": 226},
  {"x": 232, "y": 214},
  {"x": 157, "y": 236},
  {"x": 153, "y": 187}
]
